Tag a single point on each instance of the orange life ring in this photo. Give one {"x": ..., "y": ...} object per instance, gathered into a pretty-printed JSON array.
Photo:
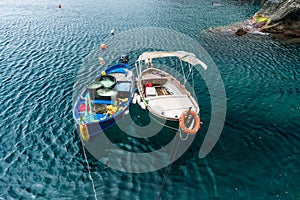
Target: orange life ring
[{"x": 196, "y": 125}]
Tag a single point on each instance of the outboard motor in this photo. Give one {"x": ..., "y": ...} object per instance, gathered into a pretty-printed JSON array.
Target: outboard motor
[{"x": 124, "y": 59}]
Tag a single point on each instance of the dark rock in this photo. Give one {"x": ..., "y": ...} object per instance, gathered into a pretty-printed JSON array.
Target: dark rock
[
  {"x": 240, "y": 31},
  {"x": 277, "y": 18}
]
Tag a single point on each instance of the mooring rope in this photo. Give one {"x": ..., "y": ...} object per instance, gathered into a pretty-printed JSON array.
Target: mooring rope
[
  {"x": 170, "y": 127},
  {"x": 88, "y": 167},
  {"x": 181, "y": 137},
  {"x": 173, "y": 153}
]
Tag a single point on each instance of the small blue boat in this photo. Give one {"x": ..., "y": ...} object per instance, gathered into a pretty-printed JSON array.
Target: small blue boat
[{"x": 105, "y": 100}]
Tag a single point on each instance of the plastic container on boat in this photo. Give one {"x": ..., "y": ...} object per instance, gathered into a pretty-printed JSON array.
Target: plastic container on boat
[
  {"x": 108, "y": 81},
  {"x": 92, "y": 88},
  {"x": 106, "y": 94}
]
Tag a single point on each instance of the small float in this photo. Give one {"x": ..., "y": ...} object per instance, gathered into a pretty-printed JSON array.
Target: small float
[
  {"x": 112, "y": 32},
  {"x": 103, "y": 46}
]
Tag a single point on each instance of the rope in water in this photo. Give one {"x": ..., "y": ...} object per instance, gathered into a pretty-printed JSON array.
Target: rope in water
[
  {"x": 181, "y": 137},
  {"x": 88, "y": 167},
  {"x": 170, "y": 127},
  {"x": 173, "y": 153},
  {"x": 179, "y": 131}
]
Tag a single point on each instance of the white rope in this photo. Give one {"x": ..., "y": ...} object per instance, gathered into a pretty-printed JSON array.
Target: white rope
[
  {"x": 182, "y": 69},
  {"x": 174, "y": 150},
  {"x": 170, "y": 127},
  {"x": 179, "y": 131},
  {"x": 181, "y": 137},
  {"x": 190, "y": 72},
  {"x": 176, "y": 71},
  {"x": 193, "y": 84},
  {"x": 88, "y": 166}
]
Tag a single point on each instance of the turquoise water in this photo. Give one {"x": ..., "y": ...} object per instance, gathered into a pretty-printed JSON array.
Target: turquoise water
[{"x": 42, "y": 49}]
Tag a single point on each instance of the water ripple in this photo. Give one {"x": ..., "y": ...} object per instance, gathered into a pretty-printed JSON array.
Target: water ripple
[{"x": 48, "y": 54}]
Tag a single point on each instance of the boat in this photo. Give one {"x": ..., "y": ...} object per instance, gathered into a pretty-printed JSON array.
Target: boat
[
  {"x": 105, "y": 100},
  {"x": 165, "y": 97}
]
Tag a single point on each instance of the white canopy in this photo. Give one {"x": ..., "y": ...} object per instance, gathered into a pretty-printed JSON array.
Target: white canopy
[{"x": 182, "y": 55}]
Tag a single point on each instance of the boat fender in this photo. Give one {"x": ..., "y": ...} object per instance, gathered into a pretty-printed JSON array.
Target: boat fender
[
  {"x": 84, "y": 132},
  {"x": 134, "y": 98},
  {"x": 138, "y": 99},
  {"x": 142, "y": 105},
  {"x": 183, "y": 124}
]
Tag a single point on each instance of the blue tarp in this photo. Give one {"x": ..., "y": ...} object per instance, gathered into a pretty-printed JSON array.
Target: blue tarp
[
  {"x": 102, "y": 102},
  {"x": 99, "y": 116},
  {"x": 118, "y": 67},
  {"x": 117, "y": 70}
]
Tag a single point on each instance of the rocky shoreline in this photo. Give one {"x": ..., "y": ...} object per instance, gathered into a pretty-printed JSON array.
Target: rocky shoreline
[{"x": 278, "y": 18}]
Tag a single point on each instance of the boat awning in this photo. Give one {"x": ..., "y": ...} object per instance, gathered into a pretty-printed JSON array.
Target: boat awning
[{"x": 182, "y": 55}]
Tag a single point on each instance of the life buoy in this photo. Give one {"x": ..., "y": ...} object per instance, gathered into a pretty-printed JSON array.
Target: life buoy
[{"x": 182, "y": 124}]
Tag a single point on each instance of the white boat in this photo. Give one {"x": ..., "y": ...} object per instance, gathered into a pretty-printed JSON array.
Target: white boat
[{"x": 163, "y": 95}]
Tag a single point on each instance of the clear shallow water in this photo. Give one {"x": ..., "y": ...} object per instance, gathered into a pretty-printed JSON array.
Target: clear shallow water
[{"x": 42, "y": 48}]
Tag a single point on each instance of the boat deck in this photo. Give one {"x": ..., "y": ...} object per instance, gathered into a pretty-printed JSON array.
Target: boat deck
[
  {"x": 170, "y": 106},
  {"x": 169, "y": 99}
]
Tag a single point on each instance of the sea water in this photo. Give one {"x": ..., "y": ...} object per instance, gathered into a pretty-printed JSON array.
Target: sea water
[{"x": 42, "y": 50}]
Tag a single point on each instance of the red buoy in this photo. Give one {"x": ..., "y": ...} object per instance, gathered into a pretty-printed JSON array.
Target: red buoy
[{"x": 103, "y": 46}]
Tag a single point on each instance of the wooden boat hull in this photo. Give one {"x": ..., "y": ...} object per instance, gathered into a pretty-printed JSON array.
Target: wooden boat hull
[{"x": 86, "y": 110}]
